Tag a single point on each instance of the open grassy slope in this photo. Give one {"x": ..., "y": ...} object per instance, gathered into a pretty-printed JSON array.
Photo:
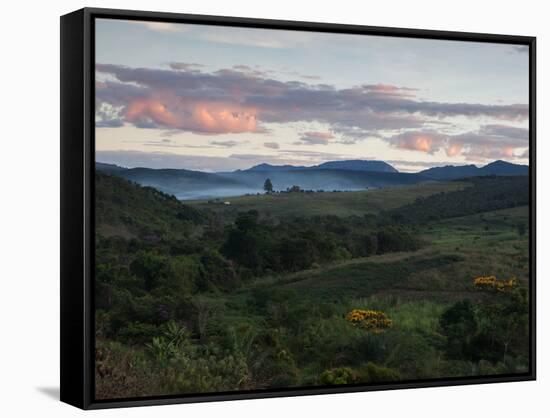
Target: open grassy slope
[
  {"x": 459, "y": 249},
  {"x": 328, "y": 203}
]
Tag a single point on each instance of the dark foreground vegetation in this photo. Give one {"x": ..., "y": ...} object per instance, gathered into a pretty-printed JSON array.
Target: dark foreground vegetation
[{"x": 391, "y": 285}]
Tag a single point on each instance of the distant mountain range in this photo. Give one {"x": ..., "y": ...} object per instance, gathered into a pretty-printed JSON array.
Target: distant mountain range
[
  {"x": 355, "y": 165},
  {"x": 268, "y": 167},
  {"x": 496, "y": 168},
  {"x": 333, "y": 175}
]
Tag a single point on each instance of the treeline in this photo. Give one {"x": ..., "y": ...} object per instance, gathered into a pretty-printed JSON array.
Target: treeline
[
  {"x": 152, "y": 282},
  {"x": 297, "y": 244},
  {"x": 483, "y": 195}
]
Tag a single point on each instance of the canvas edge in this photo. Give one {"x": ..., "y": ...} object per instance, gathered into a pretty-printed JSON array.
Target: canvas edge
[
  {"x": 76, "y": 225},
  {"x": 72, "y": 203}
]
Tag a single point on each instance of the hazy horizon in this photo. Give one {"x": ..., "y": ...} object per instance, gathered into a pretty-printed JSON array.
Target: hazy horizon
[{"x": 214, "y": 98}]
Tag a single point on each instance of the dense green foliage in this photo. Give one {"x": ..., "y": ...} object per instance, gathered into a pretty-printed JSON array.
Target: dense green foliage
[
  {"x": 127, "y": 210},
  {"x": 194, "y": 299},
  {"x": 486, "y": 194}
]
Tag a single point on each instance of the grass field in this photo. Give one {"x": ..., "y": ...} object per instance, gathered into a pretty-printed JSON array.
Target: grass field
[
  {"x": 459, "y": 249},
  {"x": 326, "y": 203}
]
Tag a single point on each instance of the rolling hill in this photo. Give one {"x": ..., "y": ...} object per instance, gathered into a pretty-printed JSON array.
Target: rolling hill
[
  {"x": 127, "y": 209},
  {"x": 350, "y": 175},
  {"x": 185, "y": 184},
  {"x": 358, "y": 165},
  {"x": 188, "y": 184},
  {"x": 351, "y": 165},
  {"x": 496, "y": 168}
]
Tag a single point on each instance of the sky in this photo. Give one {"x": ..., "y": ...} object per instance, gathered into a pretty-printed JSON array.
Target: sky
[{"x": 216, "y": 98}]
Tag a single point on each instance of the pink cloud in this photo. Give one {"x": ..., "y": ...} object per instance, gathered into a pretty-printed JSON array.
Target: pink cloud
[
  {"x": 453, "y": 150},
  {"x": 199, "y": 116},
  {"x": 427, "y": 141},
  {"x": 489, "y": 142},
  {"x": 241, "y": 99}
]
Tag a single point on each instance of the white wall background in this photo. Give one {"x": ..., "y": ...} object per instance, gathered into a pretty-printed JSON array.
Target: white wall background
[{"x": 29, "y": 209}]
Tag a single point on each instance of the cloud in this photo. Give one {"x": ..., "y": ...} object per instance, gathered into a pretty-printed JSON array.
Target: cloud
[
  {"x": 107, "y": 116},
  {"x": 241, "y": 99},
  {"x": 318, "y": 156},
  {"x": 163, "y": 142},
  {"x": 272, "y": 145},
  {"x": 504, "y": 131},
  {"x": 159, "y": 159},
  {"x": 173, "y": 100},
  {"x": 479, "y": 146},
  {"x": 315, "y": 138},
  {"x": 109, "y": 123},
  {"x": 127, "y": 158},
  {"x": 185, "y": 66},
  {"x": 420, "y": 165},
  {"x": 453, "y": 149},
  {"x": 488, "y": 142},
  {"x": 309, "y": 76},
  {"x": 425, "y": 141},
  {"x": 294, "y": 156},
  {"x": 226, "y": 144}
]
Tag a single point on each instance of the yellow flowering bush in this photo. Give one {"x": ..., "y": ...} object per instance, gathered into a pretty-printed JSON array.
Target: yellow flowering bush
[
  {"x": 491, "y": 283},
  {"x": 370, "y": 320}
]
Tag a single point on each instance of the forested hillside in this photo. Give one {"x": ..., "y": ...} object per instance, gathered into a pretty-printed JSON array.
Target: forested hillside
[
  {"x": 213, "y": 297},
  {"x": 483, "y": 195}
]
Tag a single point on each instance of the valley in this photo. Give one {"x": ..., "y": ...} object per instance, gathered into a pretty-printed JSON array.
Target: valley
[{"x": 257, "y": 291}]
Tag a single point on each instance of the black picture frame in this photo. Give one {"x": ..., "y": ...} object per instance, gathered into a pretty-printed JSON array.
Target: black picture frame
[{"x": 77, "y": 203}]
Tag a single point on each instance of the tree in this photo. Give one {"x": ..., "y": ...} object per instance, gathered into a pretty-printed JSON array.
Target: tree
[
  {"x": 505, "y": 325},
  {"x": 151, "y": 268},
  {"x": 296, "y": 254},
  {"x": 247, "y": 221},
  {"x": 245, "y": 241},
  {"x": 458, "y": 323},
  {"x": 204, "y": 310},
  {"x": 216, "y": 271},
  {"x": 268, "y": 186}
]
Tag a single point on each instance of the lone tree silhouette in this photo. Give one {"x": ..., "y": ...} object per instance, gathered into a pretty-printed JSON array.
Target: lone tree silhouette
[{"x": 268, "y": 186}]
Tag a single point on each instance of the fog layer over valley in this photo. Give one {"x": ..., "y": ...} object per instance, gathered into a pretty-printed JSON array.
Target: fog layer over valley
[{"x": 331, "y": 176}]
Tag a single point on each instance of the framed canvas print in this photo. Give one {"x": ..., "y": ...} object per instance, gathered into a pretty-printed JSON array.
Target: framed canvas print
[{"x": 257, "y": 208}]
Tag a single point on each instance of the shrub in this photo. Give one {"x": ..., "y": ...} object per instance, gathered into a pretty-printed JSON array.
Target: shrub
[
  {"x": 372, "y": 373},
  {"x": 393, "y": 239},
  {"x": 491, "y": 283},
  {"x": 458, "y": 323},
  {"x": 151, "y": 268},
  {"x": 370, "y": 320},
  {"x": 217, "y": 271},
  {"x": 137, "y": 333},
  {"x": 339, "y": 376}
]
